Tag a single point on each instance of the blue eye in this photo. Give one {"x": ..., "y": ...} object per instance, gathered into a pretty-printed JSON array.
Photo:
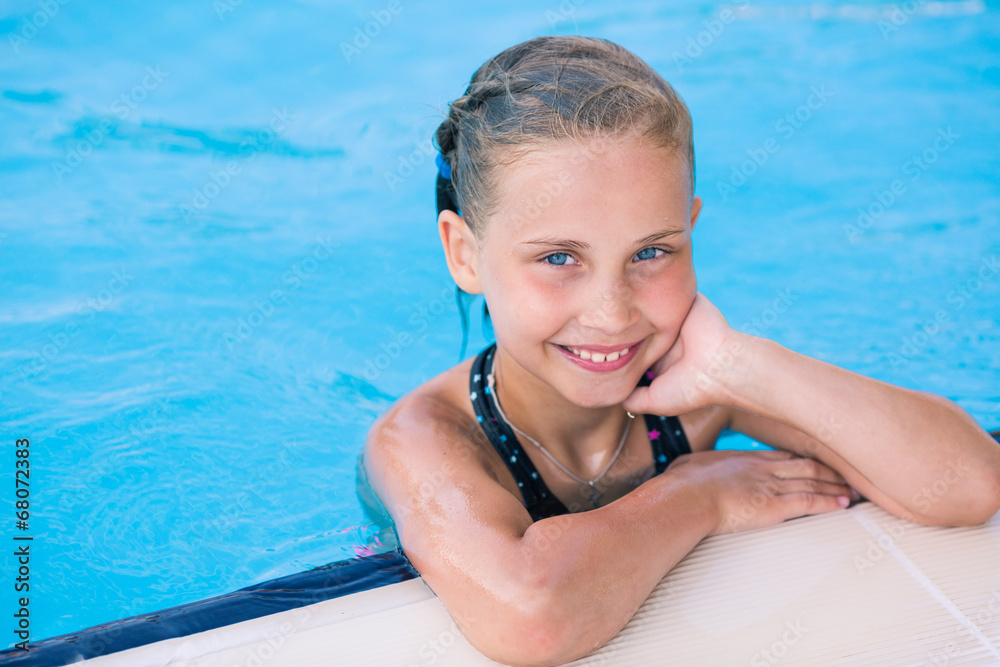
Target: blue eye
[
  {"x": 557, "y": 258},
  {"x": 640, "y": 254}
]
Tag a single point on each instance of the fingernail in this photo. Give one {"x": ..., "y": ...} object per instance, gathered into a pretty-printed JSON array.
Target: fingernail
[{"x": 844, "y": 501}]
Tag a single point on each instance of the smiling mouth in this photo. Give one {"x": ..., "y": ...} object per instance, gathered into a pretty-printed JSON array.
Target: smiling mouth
[{"x": 598, "y": 357}]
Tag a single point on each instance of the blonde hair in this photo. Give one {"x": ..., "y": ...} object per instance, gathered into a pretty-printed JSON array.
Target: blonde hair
[{"x": 548, "y": 90}]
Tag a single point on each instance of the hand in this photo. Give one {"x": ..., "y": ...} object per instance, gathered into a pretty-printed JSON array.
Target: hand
[
  {"x": 694, "y": 371},
  {"x": 756, "y": 489}
]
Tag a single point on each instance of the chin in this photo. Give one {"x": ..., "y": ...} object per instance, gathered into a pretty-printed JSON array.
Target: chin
[{"x": 600, "y": 397}]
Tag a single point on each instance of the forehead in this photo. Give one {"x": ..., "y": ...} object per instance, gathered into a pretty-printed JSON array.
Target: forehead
[{"x": 598, "y": 180}]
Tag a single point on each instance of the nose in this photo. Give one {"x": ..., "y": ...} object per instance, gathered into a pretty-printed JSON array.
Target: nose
[{"x": 609, "y": 307}]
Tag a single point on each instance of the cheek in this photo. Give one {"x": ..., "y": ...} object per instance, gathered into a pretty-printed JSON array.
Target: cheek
[
  {"x": 667, "y": 298},
  {"x": 540, "y": 299},
  {"x": 532, "y": 304}
]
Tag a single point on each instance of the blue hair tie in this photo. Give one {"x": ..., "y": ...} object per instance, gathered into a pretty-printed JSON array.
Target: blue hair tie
[{"x": 443, "y": 166}]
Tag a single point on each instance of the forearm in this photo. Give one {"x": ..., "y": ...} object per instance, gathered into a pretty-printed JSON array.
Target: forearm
[
  {"x": 598, "y": 567},
  {"x": 922, "y": 451}
]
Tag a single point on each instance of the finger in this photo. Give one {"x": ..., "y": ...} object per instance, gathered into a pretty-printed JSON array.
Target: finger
[
  {"x": 793, "y": 486},
  {"x": 805, "y": 468},
  {"x": 803, "y": 504},
  {"x": 639, "y": 402},
  {"x": 774, "y": 454}
]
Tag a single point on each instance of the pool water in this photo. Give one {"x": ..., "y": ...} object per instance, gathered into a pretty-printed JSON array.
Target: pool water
[{"x": 220, "y": 260}]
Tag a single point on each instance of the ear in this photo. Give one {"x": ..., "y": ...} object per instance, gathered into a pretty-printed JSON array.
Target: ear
[
  {"x": 695, "y": 210},
  {"x": 461, "y": 251}
]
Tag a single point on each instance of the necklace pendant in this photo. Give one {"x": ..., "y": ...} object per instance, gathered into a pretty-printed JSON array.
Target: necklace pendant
[{"x": 594, "y": 495}]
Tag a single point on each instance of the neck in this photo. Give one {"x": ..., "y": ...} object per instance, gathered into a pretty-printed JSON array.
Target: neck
[{"x": 582, "y": 439}]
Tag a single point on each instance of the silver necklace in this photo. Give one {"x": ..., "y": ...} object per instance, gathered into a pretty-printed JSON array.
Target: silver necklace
[{"x": 593, "y": 495}]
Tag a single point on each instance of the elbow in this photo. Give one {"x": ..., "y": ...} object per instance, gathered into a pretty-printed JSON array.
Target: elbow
[
  {"x": 537, "y": 629},
  {"x": 531, "y": 636},
  {"x": 989, "y": 494},
  {"x": 967, "y": 498},
  {"x": 967, "y": 489},
  {"x": 538, "y": 642},
  {"x": 983, "y": 499}
]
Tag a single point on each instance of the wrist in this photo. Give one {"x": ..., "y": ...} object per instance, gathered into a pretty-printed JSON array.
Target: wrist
[
  {"x": 727, "y": 378},
  {"x": 695, "y": 494}
]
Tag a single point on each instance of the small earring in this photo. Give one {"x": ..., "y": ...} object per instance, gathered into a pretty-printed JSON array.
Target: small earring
[{"x": 630, "y": 415}]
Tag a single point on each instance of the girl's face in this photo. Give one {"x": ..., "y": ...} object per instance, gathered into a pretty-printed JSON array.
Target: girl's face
[{"x": 587, "y": 265}]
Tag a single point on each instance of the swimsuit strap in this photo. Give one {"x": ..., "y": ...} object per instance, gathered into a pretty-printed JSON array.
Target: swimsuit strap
[
  {"x": 538, "y": 500},
  {"x": 666, "y": 437}
]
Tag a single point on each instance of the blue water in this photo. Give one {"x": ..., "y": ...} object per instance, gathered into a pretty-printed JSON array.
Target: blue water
[{"x": 216, "y": 224}]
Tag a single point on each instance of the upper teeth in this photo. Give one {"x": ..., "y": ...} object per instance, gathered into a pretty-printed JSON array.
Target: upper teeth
[{"x": 599, "y": 357}]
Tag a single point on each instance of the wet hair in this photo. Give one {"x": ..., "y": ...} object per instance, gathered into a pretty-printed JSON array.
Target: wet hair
[{"x": 546, "y": 91}]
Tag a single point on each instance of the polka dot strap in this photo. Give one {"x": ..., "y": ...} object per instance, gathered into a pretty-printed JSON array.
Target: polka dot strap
[
  {"x": 538, "y": 500},
  {"x": 666, "y": 435}
]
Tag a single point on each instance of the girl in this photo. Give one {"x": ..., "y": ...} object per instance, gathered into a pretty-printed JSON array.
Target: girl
[{"x": 523, "y": 490}]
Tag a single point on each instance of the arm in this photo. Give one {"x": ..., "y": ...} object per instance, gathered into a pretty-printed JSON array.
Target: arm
[
  {"x": 554, "y": 590},
  {"x": 917, "y": 455}
]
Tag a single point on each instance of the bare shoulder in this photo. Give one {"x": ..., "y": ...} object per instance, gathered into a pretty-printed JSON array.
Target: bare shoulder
[
  {"x": 428, "y": 459},
  {"x": 435, "y": 419}
]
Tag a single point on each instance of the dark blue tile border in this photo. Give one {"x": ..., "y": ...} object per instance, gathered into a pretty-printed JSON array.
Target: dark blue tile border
[{"x": 296, "y": 590}]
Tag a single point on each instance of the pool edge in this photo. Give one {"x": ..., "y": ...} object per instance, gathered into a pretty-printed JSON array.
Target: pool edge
[{"x": 270, "y": 597}]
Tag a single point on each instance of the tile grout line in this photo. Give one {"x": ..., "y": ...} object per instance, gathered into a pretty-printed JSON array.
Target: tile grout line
[{"x": 911, "y": 568}]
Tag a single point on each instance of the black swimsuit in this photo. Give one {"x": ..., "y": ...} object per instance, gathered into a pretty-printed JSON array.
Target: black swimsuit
[{"x": 665, "y": 435}]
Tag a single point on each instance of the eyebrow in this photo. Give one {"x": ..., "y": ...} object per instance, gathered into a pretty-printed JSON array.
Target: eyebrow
[{"x": 580, "y": 245}]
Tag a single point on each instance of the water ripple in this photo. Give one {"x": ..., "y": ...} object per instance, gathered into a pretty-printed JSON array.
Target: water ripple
[{"x": 104, "y": 132}]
